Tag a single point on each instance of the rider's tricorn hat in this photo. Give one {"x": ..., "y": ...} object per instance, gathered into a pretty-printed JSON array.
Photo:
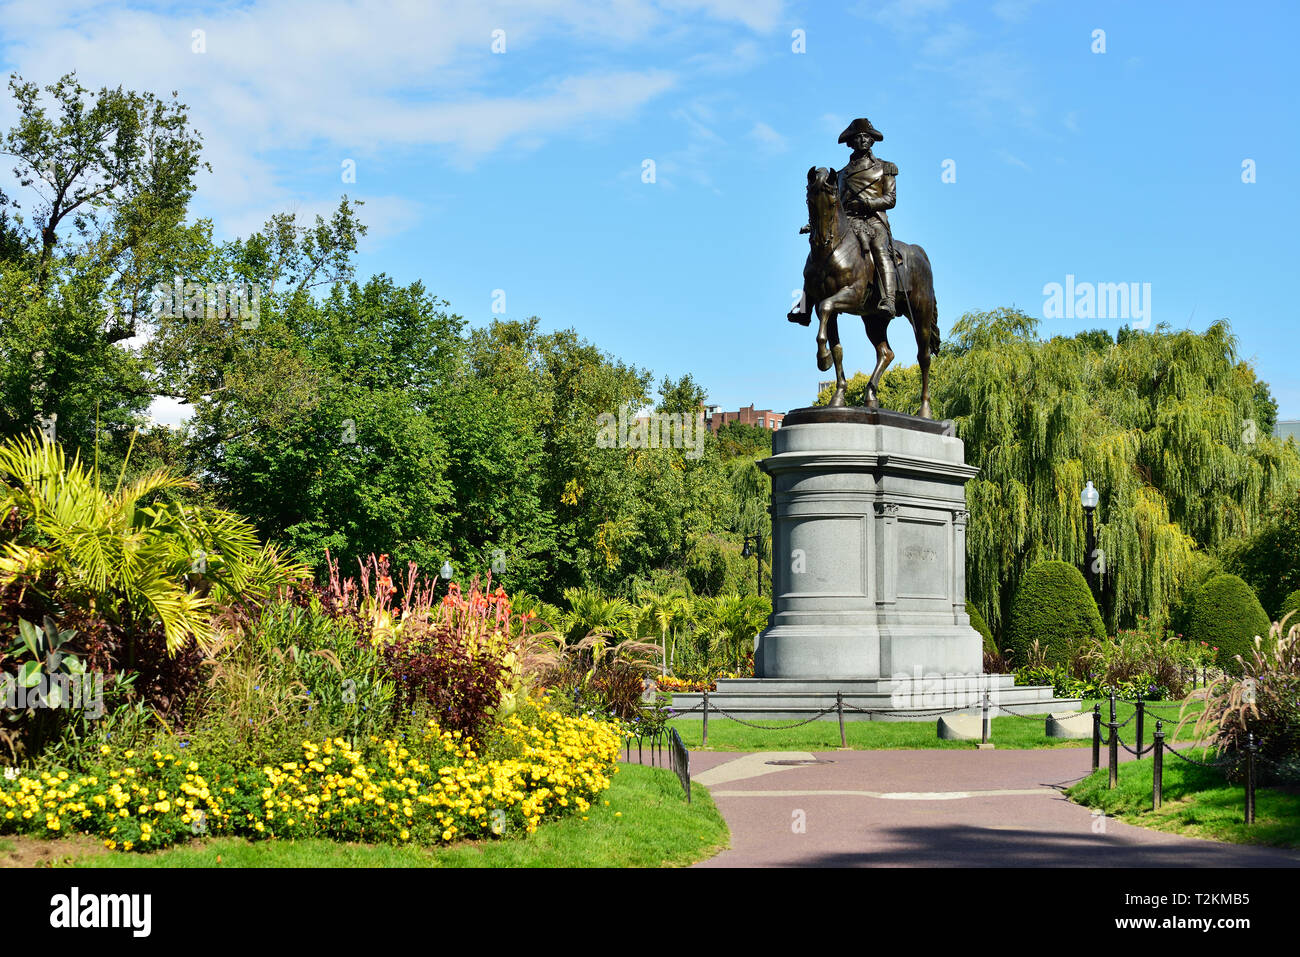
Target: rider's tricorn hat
[{"x": 861, "y": 126}]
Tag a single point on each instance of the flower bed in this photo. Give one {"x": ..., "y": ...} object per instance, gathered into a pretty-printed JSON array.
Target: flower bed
[
  {"x": 437, "y": 789},
  {"x": 670, "y": 683}
]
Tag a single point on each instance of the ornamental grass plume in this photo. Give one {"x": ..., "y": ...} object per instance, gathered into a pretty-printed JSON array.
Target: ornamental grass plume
[{"x": 1264, "y": 701}]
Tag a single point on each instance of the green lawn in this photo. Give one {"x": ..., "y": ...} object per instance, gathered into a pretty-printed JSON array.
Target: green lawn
[
  {"x": 1198, "y": 802},
  {"x": 646, "y": 824},
  {"x": 1008, "y": 732}
]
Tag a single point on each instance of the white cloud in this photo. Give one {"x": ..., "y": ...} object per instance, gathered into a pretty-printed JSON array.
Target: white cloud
[
  {"x": 767, "y": 137},
  {"x": 947, "y": 41},
  {"x": 358, "y": 79},
  {"x": 167, "y": 411},
  {"x": 1013, "y": 160},
  {"x": 1013, "y": 11}
]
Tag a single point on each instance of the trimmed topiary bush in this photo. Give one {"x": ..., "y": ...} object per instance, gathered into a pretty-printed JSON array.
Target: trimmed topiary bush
[
  {"x": 1290, "y": 606},
  {"x": 1227, "y": 615},
  {"x": 979, "y": 624},
  {"x": 1054, "y": 606}
]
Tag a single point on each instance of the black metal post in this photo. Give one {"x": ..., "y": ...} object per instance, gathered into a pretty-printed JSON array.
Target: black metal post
[
  {"x": 704, "y": 741},
  {"x": 1091, "y": 546},
  {"x": 758, "y": 558},
  {"x": 1141, "y": 713},
  {"x": 1158, "y": 765},
  {"x": 1114, "y": 744},
  {"x": 839, "y": 708},
  {"x": 985, "y": 727},
  {"x": 1252, "y": 746},
  {"x": 1096, "y": 736}
]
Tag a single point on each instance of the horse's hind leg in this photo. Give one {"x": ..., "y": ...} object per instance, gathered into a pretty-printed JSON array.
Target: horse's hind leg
[
  {"x": 921, "y": 328},
  {"x": 923, "y": 358}
]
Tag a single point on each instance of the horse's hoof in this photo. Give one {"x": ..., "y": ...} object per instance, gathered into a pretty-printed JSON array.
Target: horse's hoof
[
  {"x": 925, "y": 411},
  {"x": 837, "y": 399},
  {"x": 823, "y": 359},
  {"x": 873, "y": 402}
]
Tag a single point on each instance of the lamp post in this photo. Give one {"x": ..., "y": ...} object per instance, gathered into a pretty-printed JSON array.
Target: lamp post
[
  {"x": 1089, "y": 498},
  {"x": 757, "y": 552}
]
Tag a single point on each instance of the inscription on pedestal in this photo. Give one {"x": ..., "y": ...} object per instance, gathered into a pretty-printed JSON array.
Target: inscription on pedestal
[{"x": 922, "y": 559}]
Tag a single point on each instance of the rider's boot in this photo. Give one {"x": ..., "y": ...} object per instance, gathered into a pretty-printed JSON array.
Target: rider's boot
[{"x": 888, "y": 277}]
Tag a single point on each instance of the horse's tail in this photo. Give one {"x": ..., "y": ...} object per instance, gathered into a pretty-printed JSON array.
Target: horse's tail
[
  {"x": 926, "y": 292},
  {"x": 934, "y": 330}
]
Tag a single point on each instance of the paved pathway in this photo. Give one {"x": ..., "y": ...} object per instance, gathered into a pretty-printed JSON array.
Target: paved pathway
[{"x": 944, "y": 808}]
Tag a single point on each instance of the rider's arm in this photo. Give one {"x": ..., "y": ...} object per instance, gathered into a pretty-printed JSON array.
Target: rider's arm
[{"x": 886, "y": 198}]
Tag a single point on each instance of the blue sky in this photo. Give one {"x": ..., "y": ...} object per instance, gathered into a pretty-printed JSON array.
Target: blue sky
[{"x": 522, "y": 170}]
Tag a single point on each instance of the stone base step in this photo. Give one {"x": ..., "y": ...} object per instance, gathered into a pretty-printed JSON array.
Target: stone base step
[{"x": 778, "y": 699}]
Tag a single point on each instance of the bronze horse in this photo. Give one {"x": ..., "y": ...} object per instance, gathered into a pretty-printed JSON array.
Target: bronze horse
[{"x": 839, "y": 278}]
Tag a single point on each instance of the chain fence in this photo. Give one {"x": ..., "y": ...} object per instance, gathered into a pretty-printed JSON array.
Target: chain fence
[{"x": 679, "y": 757}]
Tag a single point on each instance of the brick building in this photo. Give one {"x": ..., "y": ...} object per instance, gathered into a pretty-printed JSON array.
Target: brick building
[{"x": 715, "y": 418}]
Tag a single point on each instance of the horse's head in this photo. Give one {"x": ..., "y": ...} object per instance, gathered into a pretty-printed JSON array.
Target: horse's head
[{"x": 823, "y": 206}]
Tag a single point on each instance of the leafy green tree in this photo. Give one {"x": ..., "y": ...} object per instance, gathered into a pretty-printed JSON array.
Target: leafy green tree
[
  {"x": 1269, "y": 559},
  {"x": 105, "y": 182},
  {"x": 363, "y": 465},
  {"x": 1161, "y": 422},
  {"x": 750, "y": 441},
  {"x": 664, "y": 614},
  {"x": 684, "y": 395}
]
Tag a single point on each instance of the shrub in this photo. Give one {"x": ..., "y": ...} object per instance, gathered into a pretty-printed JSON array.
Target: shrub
[
  {"x": 131, "y": 583},
  {"x": 287, "y": 672},
  {"x": 462, "y": 685},
  {"x": 1264, "y": 701},
  {"x": 131, "y": 557},
  {"x": 1269, "y": 560},
  {"x": 707, "y": 567},
  {"x": 599, "y": 677},
  {"x": 1135, "y": 662},
  {"x": 1227, "y": 616},
  {"x": 1054, "y": 607},
  {"x": 979, "y": 624},
  {"x": 1290, "y": 606}
]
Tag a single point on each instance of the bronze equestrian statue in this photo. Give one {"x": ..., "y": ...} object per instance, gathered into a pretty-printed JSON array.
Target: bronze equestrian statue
[{"x": 855, "y": 266}]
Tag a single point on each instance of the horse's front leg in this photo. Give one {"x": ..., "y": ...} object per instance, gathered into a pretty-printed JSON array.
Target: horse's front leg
[
  {"x": 824, "y": 316},
  {"x": 837, "y": 353}
]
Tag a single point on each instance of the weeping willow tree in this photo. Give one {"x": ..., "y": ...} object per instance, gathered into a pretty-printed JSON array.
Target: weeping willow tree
[{"x": 1166, "y": 424}]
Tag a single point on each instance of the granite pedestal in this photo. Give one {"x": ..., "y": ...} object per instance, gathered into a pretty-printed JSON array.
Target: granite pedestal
[{"x": 868, "y": 572}]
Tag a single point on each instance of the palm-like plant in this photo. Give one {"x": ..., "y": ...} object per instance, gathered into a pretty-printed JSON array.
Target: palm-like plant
[
  {"x": 126, "y": 555},
  {"x": 666, "y": 612},
  {"x": 591, "y": 612},
  {"x": 730, "y": 622}
]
